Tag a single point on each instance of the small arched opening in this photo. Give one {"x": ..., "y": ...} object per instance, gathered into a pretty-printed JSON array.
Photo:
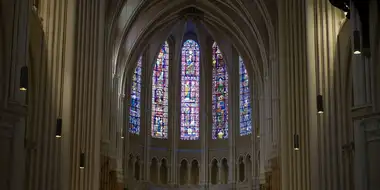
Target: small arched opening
[
  {"x": 224, "y": 176},
  {"x": 183, "y": 173},
  {"x": 248, "y": 162},
  {"x": 214, "y": 171},
  {"x": 194, "y": 172},
  {"x": 130, "y": 166},
  {"x": 137, "y": 169},
  {"x": 241, "y": 169},
  {"x": 154, "y": 171},
  {"x": 164, "y": 172}
]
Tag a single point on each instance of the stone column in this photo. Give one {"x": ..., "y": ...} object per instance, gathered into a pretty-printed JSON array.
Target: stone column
[
  {"x": 293, "y": 86},
  {"x": 234, "y": 115},
  {"x": 307, "y": 69},
  {"x": 146, "y": 111},
  {"x": 87, "y": 85},
  {"x": 175, "y": 105},
  {"x": 205, "y": 107}
]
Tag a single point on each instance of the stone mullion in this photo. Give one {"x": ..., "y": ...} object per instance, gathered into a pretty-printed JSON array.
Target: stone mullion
[
  {"x": 147, "y": 105},
  {"x": 172, "y": 127},
  {"x": 205, "y": 105},
  {"x": 175, "y": 67},
  {"x": 233, "y": 120}
]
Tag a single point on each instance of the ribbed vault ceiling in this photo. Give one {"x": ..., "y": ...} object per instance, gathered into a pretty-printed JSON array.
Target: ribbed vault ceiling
[{"x": 247, "y": 24}]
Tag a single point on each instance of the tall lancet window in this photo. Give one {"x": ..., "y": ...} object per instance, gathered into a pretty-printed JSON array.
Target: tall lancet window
[
  {"x": 219, "y": 95},
  {"x": 245, "y": 105},
  {"x": 134, "y": 111},
  {"x": 190, "y": 90},
  {"x": 160, "y": 91}
]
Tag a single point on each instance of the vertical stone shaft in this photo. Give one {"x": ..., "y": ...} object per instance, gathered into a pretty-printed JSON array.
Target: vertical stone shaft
[
  {"x": 87, "y": 92},
  {"x": 293, "y": 89}
]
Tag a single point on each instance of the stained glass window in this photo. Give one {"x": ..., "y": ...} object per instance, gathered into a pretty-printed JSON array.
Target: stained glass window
[
  {"x": 160, "y": 91},
  {"x": 190, "y": 90},
  {"x": 134, "y": 113},
  {"x": 245, "y": 105},
  {"x": 219, "y": 95}
]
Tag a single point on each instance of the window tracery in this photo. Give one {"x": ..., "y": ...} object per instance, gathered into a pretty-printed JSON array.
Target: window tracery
[
  {"x": 245, "y": 101},
  {"x": 219, "y": 95},
  {"x": 134, "y": 113},
  {"x": 190, "y": 90},
  {"x": 160, "y": 91}
]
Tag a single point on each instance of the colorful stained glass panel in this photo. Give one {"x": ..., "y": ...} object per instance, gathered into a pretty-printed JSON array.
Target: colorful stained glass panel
[
  {"x": 160, "y": 91},
  {"x": 134, "y": 111},
  {"x": 219, "y": 95},
  {"x": 245, "y": 105},
  {"x": 190, "y": 90}
]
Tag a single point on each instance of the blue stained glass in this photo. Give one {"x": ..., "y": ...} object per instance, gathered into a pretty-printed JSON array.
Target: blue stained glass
[
  {"x": 245, "y": 105},
  {"x": 190, "y": 90},
  {"x": 160, "y": 91},
  {"x": 134, "y": 111},
  {"x": 219, "y": 95}
]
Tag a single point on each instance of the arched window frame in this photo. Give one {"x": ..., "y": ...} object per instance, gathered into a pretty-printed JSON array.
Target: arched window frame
[
  {"x": 193, "y": 89},
  {"x": 220, "y": 82},
  {"x": 135, "y": 100},
  {"x": 161, "y": 130},
  {"x": 245, "y": 105}
]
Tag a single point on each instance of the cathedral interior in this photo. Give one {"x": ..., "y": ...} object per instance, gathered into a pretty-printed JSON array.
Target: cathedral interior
[{"x": 189, "y": 94}]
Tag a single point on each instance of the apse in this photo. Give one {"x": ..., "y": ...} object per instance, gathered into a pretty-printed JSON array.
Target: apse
[{"x": 190, "y": 92}]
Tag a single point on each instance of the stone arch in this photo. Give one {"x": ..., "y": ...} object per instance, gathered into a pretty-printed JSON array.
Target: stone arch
[
  {"x": 183, "y": 172},
  {"x": 241, "y": 164},
  {"x": 224, "y": 169},
  {"x": 140, "y": 38},
  {"x": 164, "y": 171},
  {"x": 214, "y": 171},
  {"x": 194, "y": 172},
  {"x": 154, "y": 170}
]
